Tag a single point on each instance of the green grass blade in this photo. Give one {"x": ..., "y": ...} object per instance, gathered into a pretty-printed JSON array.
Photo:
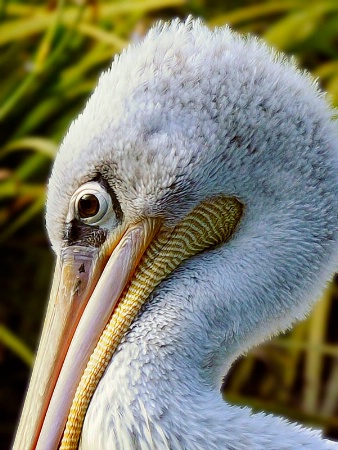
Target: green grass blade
[{"x": 16, "y": 345}]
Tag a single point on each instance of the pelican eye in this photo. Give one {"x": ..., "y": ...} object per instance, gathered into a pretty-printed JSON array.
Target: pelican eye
[
  {"x": 88, "y": 206},
  {"x": 92, "y": 204}
]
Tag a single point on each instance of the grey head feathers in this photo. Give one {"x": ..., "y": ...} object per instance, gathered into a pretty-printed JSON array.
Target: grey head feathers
[{"x": 188, "y": 113}]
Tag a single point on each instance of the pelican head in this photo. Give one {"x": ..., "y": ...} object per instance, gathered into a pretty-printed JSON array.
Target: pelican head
[{"x": 192, "y": 208}]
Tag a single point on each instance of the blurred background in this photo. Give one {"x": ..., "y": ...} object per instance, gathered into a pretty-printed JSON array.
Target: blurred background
[{"x": 51, "y": 55}]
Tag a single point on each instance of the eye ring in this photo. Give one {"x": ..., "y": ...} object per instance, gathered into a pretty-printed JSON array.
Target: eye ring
[{"x": 92, "y": 204}]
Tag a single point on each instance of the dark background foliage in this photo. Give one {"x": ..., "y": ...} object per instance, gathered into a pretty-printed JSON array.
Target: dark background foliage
[{"x": 51, "y": 55}]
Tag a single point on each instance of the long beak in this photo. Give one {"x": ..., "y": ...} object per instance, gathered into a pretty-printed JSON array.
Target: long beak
[
  {"x": 95, "y": 297},
  {"x": 86, "y": 289}
]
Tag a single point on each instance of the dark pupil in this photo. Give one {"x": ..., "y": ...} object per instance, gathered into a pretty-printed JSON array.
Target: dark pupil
[{"x": 88, "y": 206}]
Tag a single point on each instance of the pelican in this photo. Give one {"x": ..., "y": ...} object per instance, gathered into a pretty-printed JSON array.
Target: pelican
[{"x": 192, "y": 208}]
